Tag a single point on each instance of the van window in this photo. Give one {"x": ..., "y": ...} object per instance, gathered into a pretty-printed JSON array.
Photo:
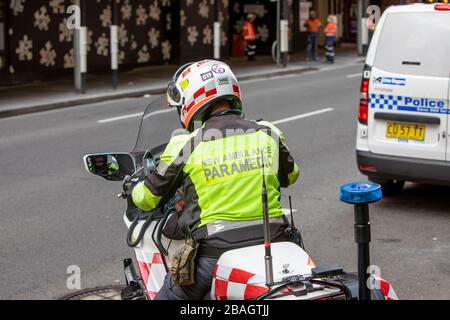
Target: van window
[{"x": 415, "y": 43}]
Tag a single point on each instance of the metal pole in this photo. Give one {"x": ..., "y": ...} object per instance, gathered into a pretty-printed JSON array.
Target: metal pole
[
  {"x": 364, "y": 28},
  {"x": 216, "y": 31},
  {"x": 284, "y": 33},
  {"x": 76, "y": 50},
  {"x": 80, "y": 49},
  {"x": 278, "y": 30},
  {"x": 83, "y": 45},
  {"x": 76, "y": 62},
  {"x": 362, "y": 239},
  {"x": 114, "y": 44},
  {"x": 359, "y": 27}
]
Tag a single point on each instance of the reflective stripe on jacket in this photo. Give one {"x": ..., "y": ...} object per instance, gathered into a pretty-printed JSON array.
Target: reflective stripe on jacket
[{"x": 221, "y": 172}]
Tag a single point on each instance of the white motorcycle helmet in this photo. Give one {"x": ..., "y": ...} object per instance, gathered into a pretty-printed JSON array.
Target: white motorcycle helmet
[{"x": 196, "y": 86}]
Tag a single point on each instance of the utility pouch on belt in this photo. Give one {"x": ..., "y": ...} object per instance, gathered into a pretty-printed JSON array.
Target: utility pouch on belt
[{"x": 183, "y": 263}]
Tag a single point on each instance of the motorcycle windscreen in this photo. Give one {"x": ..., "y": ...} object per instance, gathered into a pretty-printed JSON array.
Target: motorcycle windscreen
[{"x": 159, "y": 123}]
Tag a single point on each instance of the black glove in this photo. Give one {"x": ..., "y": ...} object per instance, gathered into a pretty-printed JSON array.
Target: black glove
[{"x": 128, "y": 185}]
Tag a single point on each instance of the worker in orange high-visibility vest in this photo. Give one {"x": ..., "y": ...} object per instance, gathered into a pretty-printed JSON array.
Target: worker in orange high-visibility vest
[
  {"x": 312, "y": 26},
  {"x": 249, "y": 35},
  {"x": 330, "y": 32}
]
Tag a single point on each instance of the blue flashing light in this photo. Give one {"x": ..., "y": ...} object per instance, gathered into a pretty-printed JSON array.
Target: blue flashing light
[{"x": 361, "y": 192}]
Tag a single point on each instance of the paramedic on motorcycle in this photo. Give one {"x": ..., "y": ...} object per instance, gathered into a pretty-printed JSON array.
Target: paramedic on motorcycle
[{"x": 221, "y": 174}]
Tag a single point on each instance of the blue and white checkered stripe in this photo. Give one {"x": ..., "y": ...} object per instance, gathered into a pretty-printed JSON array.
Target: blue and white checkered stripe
[{"x": 386, "y": 102}]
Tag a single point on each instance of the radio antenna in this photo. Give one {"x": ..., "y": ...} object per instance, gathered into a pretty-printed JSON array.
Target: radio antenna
[
  {"x": 292, "y": 214},
  {"x": 266, "y": 226}
]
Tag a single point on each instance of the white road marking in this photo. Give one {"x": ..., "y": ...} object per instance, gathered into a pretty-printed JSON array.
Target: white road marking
[
  {"x": 304, "y": 115},
  {"x": 300, "y": 116},
  {"x": 265, "y": 78},
  {"x": 343, "y": 66},
  {"x": 287, "y": 211},
  {"x": 354, "y": 75},
  {"x": 127, "y": 116},
  {"x": 133, "y": 115}
]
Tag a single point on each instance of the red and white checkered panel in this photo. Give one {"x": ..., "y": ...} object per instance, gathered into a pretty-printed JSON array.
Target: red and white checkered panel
[
  {"x": 386, "y": 289},
  {"x": 208, "y": 90},
  {"x": 152, "y": 271},
  {"x": 236, "y": 284}
]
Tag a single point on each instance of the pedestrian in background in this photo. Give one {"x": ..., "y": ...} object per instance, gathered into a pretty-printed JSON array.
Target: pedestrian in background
[
  {"x": 371, "y": 28},
  {"x": 330, "y": 32},
  {"x": 249, "y": 35},
  {"x": 312, "y": 26}
]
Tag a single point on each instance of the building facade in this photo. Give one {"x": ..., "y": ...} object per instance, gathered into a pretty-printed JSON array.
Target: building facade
[{"x": 36, "y": 42}]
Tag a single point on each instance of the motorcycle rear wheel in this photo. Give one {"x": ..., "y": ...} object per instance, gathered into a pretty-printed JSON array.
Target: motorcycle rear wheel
[{"x": 97, "y": 293}]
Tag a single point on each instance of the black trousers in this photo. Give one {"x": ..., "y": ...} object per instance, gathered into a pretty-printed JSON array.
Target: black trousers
[
  {"x": 329, "y": 48},
  {"x": 250, "y": 50}
]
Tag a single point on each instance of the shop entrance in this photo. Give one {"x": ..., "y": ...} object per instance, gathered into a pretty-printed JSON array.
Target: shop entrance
[{"x": 265, "y": 25}]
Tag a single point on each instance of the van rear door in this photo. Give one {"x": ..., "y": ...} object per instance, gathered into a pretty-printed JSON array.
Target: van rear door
[{"x": 409, "y": 86}]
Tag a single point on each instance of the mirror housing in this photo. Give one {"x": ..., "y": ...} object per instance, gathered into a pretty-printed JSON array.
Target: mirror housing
[{"x": 110, "y": 166}]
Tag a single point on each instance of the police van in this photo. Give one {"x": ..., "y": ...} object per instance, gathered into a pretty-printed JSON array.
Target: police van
[{"x": 403, "y": 129}]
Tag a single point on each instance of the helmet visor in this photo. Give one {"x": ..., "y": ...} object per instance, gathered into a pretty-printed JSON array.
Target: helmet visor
[{"x": 172, "y": 90}]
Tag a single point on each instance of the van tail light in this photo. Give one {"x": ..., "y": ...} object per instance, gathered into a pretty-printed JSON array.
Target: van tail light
[
  {"x": 363, "y": 111},
  {"x": 365, "y": 167},
  {"x": 442, "y": 7}
]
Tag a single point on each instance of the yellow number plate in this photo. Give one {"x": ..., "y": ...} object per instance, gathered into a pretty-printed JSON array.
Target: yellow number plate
[{"x": 405, "y": 131}]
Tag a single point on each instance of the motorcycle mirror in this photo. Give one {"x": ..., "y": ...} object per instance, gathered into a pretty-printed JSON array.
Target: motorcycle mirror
[{"x": 110, "y": 166}]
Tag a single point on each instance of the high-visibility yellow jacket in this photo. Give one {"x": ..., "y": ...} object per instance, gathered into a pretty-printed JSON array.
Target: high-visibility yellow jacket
[{"x": 220, "y": 168}]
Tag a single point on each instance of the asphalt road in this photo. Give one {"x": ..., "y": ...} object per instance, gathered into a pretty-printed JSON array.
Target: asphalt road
[{"x": 54, "y": 215}]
